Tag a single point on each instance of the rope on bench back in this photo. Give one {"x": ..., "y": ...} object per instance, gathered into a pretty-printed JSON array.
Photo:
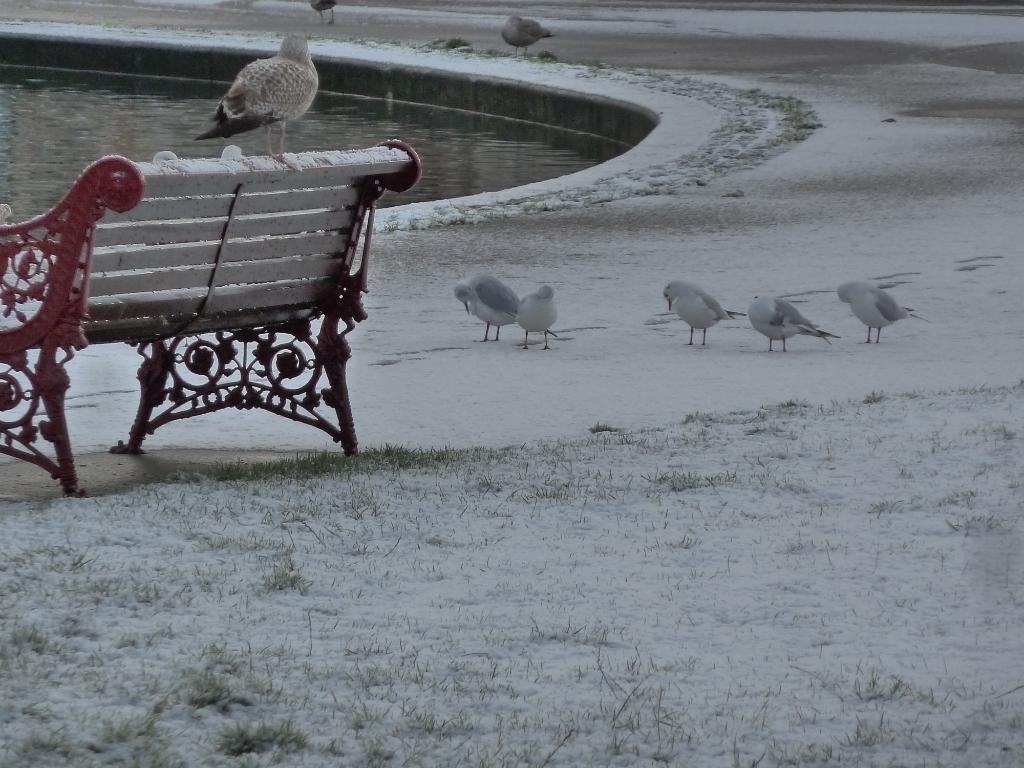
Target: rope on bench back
[{"x": 182, "y": 330}]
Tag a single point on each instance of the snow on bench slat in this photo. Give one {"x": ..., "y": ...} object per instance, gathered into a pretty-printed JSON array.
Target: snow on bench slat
[{"x": 206, "y": 176}]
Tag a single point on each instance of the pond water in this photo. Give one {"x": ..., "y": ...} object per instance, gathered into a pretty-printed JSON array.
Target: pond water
[{"x": 54, "y": 123}]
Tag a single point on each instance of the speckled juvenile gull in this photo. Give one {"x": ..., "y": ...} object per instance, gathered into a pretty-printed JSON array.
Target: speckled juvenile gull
[
  {"x": 324, "y": 5},
  {"x": 522, "y": 33},
  {"x": 268, "y": 91},
  {"x": 699, "y": 309},
  {"x": 873, "y": 306},
  {"x": 778, "y": 319},
  {"x": 537, "y": 313},
  {"x": 489, "y": 299}
]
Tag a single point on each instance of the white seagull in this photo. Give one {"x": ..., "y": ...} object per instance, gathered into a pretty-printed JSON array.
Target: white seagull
[
  {"x": 778, "y": 319},
  {"x": 537, "y": 313},
  {"x": 268, "y": 91},
  {"x": 699, "y": 309},
  {"x": 522, "y": 33},
  {"x": 489, "y": 299},
  {"x": 873, "y": 306}
]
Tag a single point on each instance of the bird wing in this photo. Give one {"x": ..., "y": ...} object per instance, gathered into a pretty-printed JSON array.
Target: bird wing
[
  {"x": 888, "y": 307},
  {"x": 712, "y": 303},
  {"x": 498, "y": 296},
  {"x": 533, "y": 28},
  {"x": 276, "y": 88}
]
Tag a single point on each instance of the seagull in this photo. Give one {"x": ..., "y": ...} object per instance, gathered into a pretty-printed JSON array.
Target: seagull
[
  {"x": 324, "y": 5},
  {"x": 522, "y": 33},
  {"x": 699, "y": 309},
  {"x": 268, "y": 91},
  {"x": 873, "y": 306},
  {"x": 489, "y": 299},
  {"x": 778, "y": 319},
  {"x": 537, "y": 313}
]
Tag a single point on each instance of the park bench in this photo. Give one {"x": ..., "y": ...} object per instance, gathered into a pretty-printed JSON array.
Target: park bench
[{"x": 237, "y": 279}]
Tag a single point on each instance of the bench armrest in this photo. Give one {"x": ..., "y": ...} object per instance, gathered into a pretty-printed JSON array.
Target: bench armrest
[{"x": 44, "y": 262}]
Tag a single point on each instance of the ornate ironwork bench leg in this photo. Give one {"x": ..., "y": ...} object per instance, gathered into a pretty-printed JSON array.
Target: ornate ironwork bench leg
[
  {"x": 281, "y": 369},
  {"x": 27, "y": 394}
]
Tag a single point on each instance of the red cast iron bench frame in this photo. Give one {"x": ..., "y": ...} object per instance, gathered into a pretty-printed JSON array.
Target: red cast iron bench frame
[{"x": 236, "y": 279}]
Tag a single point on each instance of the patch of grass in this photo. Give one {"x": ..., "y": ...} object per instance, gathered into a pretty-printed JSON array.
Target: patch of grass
[
  {"x": 546, "y": 56},
  {"x": 39, "y": 747},
  {"x": 873, "y": 397},
  {"x": 798, "y": 119},
  {"x": 243, "y": 738},
  {"x": 284, "y": 576},
  {"x": 209, "y": 689},
  {"x": 318, "y": 463},
  {"x": 688, "y": 481},
  {"x": 450, "y": 43},
  {"x": 885, "y": 506},
  {"x": 878, "y": 688},
  {"x": 602, "y": 427}
]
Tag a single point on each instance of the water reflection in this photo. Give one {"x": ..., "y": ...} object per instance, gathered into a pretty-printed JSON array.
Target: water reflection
[{"x": 53, "y": 124}]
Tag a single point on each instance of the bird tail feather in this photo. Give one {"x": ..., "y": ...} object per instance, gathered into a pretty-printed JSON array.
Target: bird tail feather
[
  {"x": 810, "y": 330},
  {"x": 231, "y": 126},
  {"x": 733, "y": 315}
]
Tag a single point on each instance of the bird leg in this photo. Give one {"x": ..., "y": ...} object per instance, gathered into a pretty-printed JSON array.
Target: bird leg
[
  {"x": 526, "y": 341},
  {"x": 878, "y": 336},
  {"x": 487, "y": 330},
  {"x": 691, "y": 337},
  {"x": 497, "y": 330},
  {"x": 704, "y": 338},
  {"x": 332, "y": 16},
  {"x": 546, "y": 340},
  {"x": 783, "y": 344}
]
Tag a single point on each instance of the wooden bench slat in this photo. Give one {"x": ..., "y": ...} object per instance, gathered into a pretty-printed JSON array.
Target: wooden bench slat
[
  {"x": 193, "y": 230},
  {"x": 178, "y": 179},
  {"x": 146, "y": 328},
  {"x": 160, "y": 208},
  {"x": 182, "y": 303},
  {"x": 119, "y": 258},
  {"x": 232, "y": 273}
]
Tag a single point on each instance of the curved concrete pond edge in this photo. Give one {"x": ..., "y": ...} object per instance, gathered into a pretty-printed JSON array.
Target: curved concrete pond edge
[{"x": 684, "y": 130}]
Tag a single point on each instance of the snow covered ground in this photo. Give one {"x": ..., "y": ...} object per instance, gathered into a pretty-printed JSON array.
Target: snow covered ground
[
  {"x": 795, "y": 585},
  {"x": 808, "y": 558}
]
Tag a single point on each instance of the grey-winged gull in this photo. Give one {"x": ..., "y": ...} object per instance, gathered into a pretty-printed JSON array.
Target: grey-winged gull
[
  {"x": 698, "y": 308},
  {"x": 489, "y": 299},
  {"x": 537, "y": 313},
  {"x": 324, "y": 5},
  {"x": 778, "y": 319},
  {"x": 268, "y": 91},
  {"x": 872, "y": 306},
  {"x": 522, "y": 33}
]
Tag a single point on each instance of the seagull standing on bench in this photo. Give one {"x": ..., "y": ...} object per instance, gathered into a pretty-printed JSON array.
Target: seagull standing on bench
[{"x": 268, "y": 91}]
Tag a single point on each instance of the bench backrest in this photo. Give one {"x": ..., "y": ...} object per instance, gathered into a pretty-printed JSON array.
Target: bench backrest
[{"x": 235, "y": 242}]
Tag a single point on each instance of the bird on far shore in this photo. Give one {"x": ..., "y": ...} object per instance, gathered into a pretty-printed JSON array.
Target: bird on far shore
[
  {"x": 522, "y": 33},
  {"x": 324, "y": 5},
  {"x": 268, "y": 91},
  {"x": 490, "y": 300},
  {"x": 778, "y": 319},
  {"x": 537, "y": 313},
  {"x": 873, "y": 306},
  {"x": 699, "y": 309}
]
